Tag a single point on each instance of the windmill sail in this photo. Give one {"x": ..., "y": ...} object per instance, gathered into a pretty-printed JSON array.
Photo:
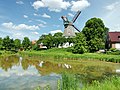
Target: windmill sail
[
  {"x": 76, "y": 28},
  {"x": 76, "y": 16}
]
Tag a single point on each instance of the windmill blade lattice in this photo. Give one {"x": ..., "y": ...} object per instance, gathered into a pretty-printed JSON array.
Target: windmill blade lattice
[{"x": 76, "y": 16}]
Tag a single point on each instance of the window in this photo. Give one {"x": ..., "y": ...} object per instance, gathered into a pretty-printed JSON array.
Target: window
[{"x": 119, "y": 37}]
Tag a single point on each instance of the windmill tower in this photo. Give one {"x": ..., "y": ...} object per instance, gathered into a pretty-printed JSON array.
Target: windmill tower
[{"x": 68, "y": 25}]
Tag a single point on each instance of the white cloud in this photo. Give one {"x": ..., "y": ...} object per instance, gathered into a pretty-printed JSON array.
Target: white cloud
[
  {"x": 70, "y": 14},
  {"x": 38, "y": 4},
  {"x": 113, "y": 6},
  {"x": 35, "y": 14},
  {"x": 10, "y": 25},
  {"x": 36, "y": 33},
  {"x": 41, "y": 21},
  {"x": 55, "y": 31},
  {"x": 79, "y": 5},
  {"x": 18, "y": 35},
  {"x": 19, "y": 2},
  {"x": 56, "y": 5},
  {"x": 41, "y": 25},
  {"x": 25, "y": 16},
  {"x": 44, "y": 34},
  {"x": 46, "y": 16},
  {"x": 53, "y": 5},
  {"x": 111, "y": 16}
]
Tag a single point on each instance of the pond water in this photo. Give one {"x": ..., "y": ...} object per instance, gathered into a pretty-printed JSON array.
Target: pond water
[
  {"x": 26, "y": 74},
  {"x": 20, "y": 75}
]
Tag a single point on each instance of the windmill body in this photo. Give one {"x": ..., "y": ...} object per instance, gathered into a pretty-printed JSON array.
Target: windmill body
[{"x": 69, "y": 28}]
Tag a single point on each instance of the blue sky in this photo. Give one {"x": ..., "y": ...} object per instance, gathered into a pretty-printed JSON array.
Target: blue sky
[{"x": 32, "y": 18}]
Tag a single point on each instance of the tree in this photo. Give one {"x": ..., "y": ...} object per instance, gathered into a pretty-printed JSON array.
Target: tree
[
  {"x": 8, "y": 43},
  {"x": 80, "y": 45},
  {"x": 26, "y": 43},
  {"x": 58, "y": 39},
  {"x": 17, "y": 44},
  {"x": 1, "y": 42},
  {"x": 95, "y": 33},
  {"x": 48, "y": 41}
]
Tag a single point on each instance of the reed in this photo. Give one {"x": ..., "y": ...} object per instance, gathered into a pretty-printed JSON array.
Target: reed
[
  {"x": 112, "y": 83},
  {"x": 70, "y": 82}
]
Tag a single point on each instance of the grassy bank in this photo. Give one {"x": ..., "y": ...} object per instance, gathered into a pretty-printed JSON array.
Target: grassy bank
[
  {"x": 71, "y": 82},
  {"x": 7, "y": 53},
  {"x": 112, "y": 83},
  {"x": 63, "y": 54}
]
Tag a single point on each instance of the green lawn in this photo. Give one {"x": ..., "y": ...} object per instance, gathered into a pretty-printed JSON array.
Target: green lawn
[{"x": 63, "y": 54}]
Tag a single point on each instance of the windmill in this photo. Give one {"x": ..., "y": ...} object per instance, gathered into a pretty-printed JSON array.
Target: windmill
[{"x": 68, "y": 25}]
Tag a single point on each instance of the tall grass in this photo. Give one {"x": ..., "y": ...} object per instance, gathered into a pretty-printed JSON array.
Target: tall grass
[
  {"x": 112, "y": 83},
  {"x": 70, "y": 82}
]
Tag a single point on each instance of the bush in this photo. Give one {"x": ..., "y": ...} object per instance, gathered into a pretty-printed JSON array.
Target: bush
[
  {"x": 0, "y": 53},
  {"x": 79, "y": 49},
  {"x": 113, "y": 51}
]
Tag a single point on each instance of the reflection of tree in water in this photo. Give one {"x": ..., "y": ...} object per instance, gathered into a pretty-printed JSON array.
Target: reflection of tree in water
[
  {"x": 90, "y": 72},
  {"x": 48, "y": 68},
  {"x": 25, "y": 64},
  {"x": 7, "y": 62}
]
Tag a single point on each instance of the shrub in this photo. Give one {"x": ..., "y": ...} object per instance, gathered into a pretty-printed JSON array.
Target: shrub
[
  {"x": 79, "y": 49},
  {"x": 113, "y": 51}
]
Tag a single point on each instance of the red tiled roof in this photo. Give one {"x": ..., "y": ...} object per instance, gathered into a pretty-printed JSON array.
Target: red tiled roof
[{"x": 114, "y": 36}]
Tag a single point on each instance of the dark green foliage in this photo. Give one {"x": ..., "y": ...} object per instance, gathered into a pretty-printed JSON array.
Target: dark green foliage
[
  {"x": 26, "y": 44},
  {"x": 48, "y": 41},
  {"x": 17, "y": 44},
  {"x": 53, "y": 40},
  {"x": 80, "y": 45},
  {"x": 95, "y": 33},
  {"x": 8, "y": 44},
  {"x": 58, "y": 39},
  {"x": 113, "y": 51},
  {"x": 1, "y": 42}
]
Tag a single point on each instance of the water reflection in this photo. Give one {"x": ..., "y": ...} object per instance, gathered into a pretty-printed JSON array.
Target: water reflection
[
  {"x": 27, "y": 73},
  {"x": 9, "y": 62},
  {"x": 23, "y": 66},
  {"x": 23, "y": 74}
]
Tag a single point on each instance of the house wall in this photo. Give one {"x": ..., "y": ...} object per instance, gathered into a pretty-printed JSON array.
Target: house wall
[
  {"x": 117, "y": 45},
  {"x": 113, "y": 45}
]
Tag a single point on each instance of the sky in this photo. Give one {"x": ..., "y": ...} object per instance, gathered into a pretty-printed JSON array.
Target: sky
[{"x": 32, "y": 18}]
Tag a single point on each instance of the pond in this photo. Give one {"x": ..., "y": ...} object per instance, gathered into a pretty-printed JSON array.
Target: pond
[{"x": 26, "y": 73}]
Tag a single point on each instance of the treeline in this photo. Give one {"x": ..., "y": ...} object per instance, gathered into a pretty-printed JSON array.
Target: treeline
[
  {"x": 9, "y": 44},
  {"x": 90, "y": 39},
  {"x": 49, "y": 41}
]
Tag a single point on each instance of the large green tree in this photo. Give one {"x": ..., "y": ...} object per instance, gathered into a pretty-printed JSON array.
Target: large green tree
[
  {"x": 59, "y": 39},
  {"x": 48, "y": 41},
  {"x": 8, "y": 43},
  {"x": 95, "y": 33},
  {"x": 17, "y": 43},
  {"x": 26, "y": 44},
  {"x": 80, "y": 45}
]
